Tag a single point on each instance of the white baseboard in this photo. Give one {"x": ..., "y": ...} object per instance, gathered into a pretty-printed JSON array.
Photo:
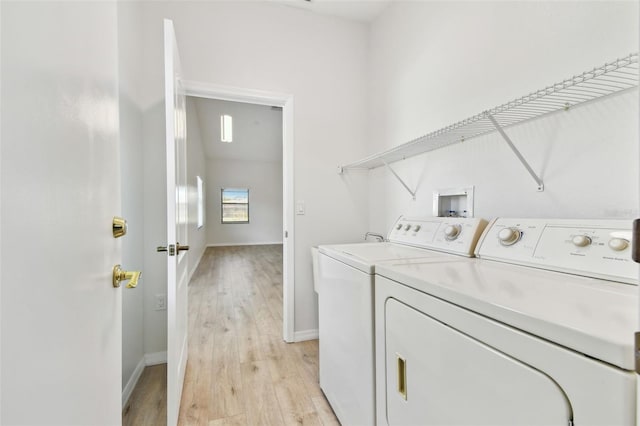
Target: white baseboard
[
  {"x": 155, "y": 358},
  {"x": 301, "y": 336},
  {"x": 148, "y": 359},
  {"x": 243, "y": 244},
  {"x": 133, "y": 381}
]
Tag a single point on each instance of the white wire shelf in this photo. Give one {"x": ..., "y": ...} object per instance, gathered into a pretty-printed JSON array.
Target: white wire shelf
[{"x": 610, "y": 78}]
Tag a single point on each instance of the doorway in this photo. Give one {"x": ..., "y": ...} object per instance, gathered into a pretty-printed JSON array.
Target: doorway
[
  {"x": 284, "y": 106},
  {"x": 285, "y": 102}
]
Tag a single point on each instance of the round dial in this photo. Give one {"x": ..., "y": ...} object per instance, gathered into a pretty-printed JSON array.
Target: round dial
[
  {"x": 451, "y": 232},
  {"x": 509, "y": 236},
  {"x": 417, "y": 228},
  {"x": 399, "y": 226},
  {"x": 407, "y": 227},
  {"x": 618, "y": 244},
  {"x": 581, "y": 241}
]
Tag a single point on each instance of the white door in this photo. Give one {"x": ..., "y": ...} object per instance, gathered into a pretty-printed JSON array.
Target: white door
[
  {"x": 177, "y": 220},
  {"x": 60, "y": 188}
]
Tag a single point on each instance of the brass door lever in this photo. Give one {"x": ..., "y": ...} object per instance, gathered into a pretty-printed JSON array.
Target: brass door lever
[{"x": 119, "y": 275}]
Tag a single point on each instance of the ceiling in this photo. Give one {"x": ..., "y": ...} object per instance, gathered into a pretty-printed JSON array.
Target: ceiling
[
  {"x": 358, "y": 10},
  {"x": 257, "y": 130}
]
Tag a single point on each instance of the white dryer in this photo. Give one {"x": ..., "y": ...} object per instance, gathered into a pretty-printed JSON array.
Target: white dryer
[
  {"x": 537, "y": 331},
  {"x": 345, "y": 278}
]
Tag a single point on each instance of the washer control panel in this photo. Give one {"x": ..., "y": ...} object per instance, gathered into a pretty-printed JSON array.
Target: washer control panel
[
  {"x": 596, "y": 248},
  {"x": 449, "y": 234}
]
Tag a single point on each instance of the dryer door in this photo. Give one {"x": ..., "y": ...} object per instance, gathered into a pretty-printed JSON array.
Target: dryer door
[{"x": 439, "y": 376}]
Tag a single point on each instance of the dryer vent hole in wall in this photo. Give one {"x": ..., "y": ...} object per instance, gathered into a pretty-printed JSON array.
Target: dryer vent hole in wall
[{"x": 453, "y": 202}]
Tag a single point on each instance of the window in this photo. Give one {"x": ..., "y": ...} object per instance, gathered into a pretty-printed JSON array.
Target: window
[
  {"x": 226, "y": 128},
  {"x": 235, "y": 205}
]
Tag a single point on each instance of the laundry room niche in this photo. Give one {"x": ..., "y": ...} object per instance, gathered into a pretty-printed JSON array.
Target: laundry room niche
[{"x": 453, "y": 202}]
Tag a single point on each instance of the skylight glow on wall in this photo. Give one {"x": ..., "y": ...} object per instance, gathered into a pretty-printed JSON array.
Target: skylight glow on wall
[{"x": 226, "y": 128}]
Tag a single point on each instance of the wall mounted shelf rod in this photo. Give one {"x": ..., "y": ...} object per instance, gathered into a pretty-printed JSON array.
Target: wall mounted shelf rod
[
  {"x": 515, "y": 151},
  {"x": 413, "y": 194},
  {"x": 612, "y": 77}
]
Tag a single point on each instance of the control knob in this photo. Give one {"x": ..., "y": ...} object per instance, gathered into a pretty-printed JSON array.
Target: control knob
[
  {"x": 451, "y": 232},
  {"x": 581, "y": 241},
  {"x": 407, "y": 227},
  {"x": 509, "y": 236},
  {"x": 618, "y": 244},
  {"x": 416, "y": 228},
  {"x": 399, "y": 226}
]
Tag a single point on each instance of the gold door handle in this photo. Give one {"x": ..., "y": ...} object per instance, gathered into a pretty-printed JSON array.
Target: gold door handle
[
  {"x": 119, "y": 275},
  {"x": 180, "y": 248},
  {"x": 161, "y": 248},
  {"x": 402, "y": 376}
]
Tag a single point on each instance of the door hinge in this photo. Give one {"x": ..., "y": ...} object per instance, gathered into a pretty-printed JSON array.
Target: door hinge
[
  {"x": 286, "y": 234},
  {"x": 635, "y": 245}
]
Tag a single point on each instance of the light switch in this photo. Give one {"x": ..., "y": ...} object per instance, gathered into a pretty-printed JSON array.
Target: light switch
[{"x": 300, "y": 207}]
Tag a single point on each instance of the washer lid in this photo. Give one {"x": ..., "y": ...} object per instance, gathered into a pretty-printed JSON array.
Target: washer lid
[
  {"x": 589, "y": 315},
  {"x": 363, "y": 256}
]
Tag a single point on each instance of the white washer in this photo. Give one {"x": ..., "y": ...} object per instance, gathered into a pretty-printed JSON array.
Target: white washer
[
  {"x": 346, "y": 295},
  {"x": 538, "y": 331}
]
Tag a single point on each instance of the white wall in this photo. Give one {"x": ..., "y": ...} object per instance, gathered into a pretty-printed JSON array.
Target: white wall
[
  {"x": 435, "y": 63},
  {"x": 196, "y": 166},
  {"x": 129, "y": 52},
  {"x": 257, "y": 130},
  {"x": 264, "y": 180},
  {"x": 260, "y": 45},
  {"x": 155, "y": 226}
]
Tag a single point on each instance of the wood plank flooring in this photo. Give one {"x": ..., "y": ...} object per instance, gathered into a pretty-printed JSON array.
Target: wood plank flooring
[
  {"x": 148, "y": 402},
  {"x": 240, "y": 372}
]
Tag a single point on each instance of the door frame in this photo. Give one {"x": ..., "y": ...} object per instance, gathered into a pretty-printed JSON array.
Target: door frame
[{"x": 261, "y": 97}]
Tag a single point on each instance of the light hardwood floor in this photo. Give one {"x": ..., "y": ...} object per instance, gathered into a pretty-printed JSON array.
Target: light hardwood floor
[
  {"x": 148, "y": 402},
  {"x": 240, "y": 372}
]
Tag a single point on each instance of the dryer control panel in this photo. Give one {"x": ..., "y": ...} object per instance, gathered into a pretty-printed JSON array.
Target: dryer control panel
[
  {"x": 456, "y": 235},
  {"x": 594, "y": 248}
]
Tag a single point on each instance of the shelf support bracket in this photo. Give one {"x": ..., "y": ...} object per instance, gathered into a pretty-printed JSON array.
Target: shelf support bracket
[
  {"x": 516, "y": 152},
  {"x": 413, "y": 194}
]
